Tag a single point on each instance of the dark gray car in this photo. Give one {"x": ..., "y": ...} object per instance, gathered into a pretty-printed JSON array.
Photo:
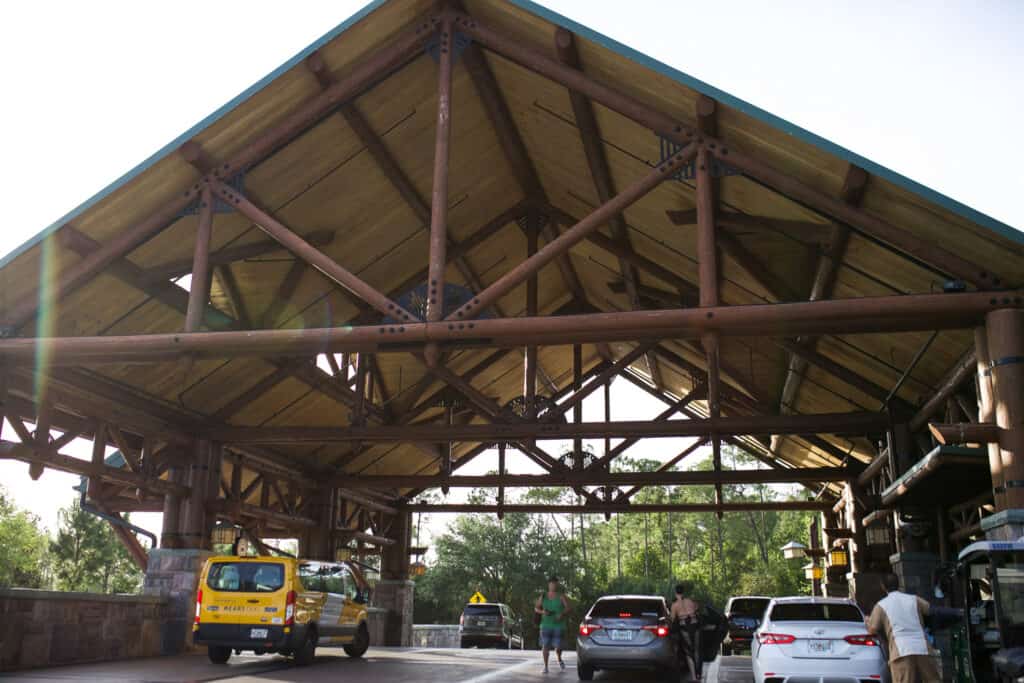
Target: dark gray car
[
  {"x": 626, "y": 632},
  {"x": 490, "y": 624}
]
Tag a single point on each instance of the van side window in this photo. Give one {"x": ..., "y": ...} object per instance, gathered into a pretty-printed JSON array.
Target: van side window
[
  {"x": 349, "y": 586},
  {"x": 310, "y": 576},
  {"x": 333, "y": 582}
]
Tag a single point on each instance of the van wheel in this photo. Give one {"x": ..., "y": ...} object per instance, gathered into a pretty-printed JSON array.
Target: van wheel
[
  {"x": 584, "y": 672},
  {"x": 306, "y": 653},
  {"x": 218, "y": 654},
  {"x": 360, "y": 643}
]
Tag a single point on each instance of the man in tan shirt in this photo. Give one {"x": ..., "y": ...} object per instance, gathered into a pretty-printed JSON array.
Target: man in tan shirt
[{"x": 899, "y": 618}]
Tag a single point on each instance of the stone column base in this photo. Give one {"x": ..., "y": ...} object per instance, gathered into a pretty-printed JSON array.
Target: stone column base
[
  {"x": 1005, "y": 525},
  {"x": 866, "y": 589},
  {"x": 916, "y": 572},
  {"x": 173, "y": 574},
  {"x": 396, "y": 596}
]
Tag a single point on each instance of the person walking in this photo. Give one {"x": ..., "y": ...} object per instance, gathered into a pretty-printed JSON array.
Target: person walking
[
  {"x": 683, "y": 619},
  {"x": 899, "y": 618},
  {"x": 553, "y": 608}
]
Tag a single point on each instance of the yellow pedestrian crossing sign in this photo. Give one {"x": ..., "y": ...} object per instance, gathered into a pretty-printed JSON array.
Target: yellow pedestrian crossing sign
[{"x": 477, "y": 598}]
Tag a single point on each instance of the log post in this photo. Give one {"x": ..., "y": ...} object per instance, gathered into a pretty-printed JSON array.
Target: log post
[
  {"x": 199, "y": 288},
  {"x": 1005, "y": 331},
  {"x": 987, "y": 414}
]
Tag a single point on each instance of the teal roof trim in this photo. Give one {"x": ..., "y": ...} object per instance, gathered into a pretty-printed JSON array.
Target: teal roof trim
[
  {"x": 760, "y": 114},
  {"x": 617, "y": 47}
]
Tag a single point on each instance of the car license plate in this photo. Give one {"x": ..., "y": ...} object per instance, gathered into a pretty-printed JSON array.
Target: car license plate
[
  {"x": 481, "y": 623},
  {"x": 258, "y": 633},
  {"x": 621, "y": 635},
  {"x": 819, "y": 647}
]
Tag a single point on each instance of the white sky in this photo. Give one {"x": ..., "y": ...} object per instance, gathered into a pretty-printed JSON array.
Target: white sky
[{"x": 931, "y": 90}]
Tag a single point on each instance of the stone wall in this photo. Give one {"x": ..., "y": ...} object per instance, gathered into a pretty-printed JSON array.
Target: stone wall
[
  {"x": 435, "y": 635},
  {"x": 47, "y": 628}
]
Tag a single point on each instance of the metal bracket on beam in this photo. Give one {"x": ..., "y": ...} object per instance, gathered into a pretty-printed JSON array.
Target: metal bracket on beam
[
  {"x": 460, "y": 42},
  {"x": 668, "y": 149},
  {"x": 220, "y": 205}
]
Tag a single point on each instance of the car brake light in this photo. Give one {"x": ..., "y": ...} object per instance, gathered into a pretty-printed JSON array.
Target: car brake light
[
  {"x": 775, "y": 638},
  {"x": 199, "y": 603},
  {"x": 587, "y": 629},
  {"x": 501, "y": 620},
  {"x": 861, "y": 640},
  {"x": 624, "y": 615},
  {"x": 660, "y": 631},
  {"x": 289, "y": 609}
]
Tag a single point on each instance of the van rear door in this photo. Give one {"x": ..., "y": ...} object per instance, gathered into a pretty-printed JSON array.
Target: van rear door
[{"x": 244, "y": 600}]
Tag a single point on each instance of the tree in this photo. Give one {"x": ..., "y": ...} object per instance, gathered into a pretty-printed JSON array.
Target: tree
[
  {"x": 89, "y": 557},
  {"x": 23, "y": 547}
]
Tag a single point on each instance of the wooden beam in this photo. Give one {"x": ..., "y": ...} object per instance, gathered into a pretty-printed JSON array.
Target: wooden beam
[
  {"x": 586, "y": 478},
  {"x": 515, "y": 151},
  {"x": 199, "y": 287},
  {"x": 825, "y": 423},
  {"x": 603, "y": 508},
  {"x": 593, "y": 148}
]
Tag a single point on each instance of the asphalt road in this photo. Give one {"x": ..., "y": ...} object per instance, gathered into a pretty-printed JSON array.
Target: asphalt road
[{"x": 380, "y": 665}]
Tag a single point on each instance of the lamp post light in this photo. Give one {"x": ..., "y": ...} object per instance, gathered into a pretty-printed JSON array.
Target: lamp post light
[
  {"x": 794, "y": 550},
  {"x": 812, "y": 571}
]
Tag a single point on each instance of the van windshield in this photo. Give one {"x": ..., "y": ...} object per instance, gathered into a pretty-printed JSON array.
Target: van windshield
[{"x": 246, "y": 577}]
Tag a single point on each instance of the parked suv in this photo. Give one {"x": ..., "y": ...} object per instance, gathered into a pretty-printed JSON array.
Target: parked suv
[
  {"x": 490, "y": 624},
  {"x": 626, "y": 632},
  {"x": 744, "y": 613}
]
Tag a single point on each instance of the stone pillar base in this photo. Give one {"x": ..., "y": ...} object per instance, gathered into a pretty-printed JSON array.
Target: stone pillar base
[
  {"x": 1005, "y": 525},
  {"x": 173, "y": 574},
  {"x": 916, "y": 572},
  {"x": 866, "y": 589},
  {"x": 836, "y": 589},
  {"x": 396, "y": 596}
]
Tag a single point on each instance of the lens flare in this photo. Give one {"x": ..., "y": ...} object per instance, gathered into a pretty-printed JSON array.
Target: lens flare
[{"x": 46, "y": 315}]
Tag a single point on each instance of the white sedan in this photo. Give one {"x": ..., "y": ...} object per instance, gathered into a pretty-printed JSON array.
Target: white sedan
[{"x": 815, "y": 639}]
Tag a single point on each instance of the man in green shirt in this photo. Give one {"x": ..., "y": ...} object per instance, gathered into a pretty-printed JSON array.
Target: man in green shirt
[{"x": 554, "y": 609}]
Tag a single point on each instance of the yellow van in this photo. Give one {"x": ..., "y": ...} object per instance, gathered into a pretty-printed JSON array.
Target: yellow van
[{"x": 280, "y": 605}]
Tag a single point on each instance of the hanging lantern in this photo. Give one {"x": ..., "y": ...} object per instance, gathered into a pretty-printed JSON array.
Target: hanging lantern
[
  {"x": 812, "y": 572},
  {"x": 794, "y": 550},
  {"x": 343, "y": 554},
  {"x": 417, "y": 568},
  {"x": 224, "y": 533},
  {"x": 838, "y": 557}
]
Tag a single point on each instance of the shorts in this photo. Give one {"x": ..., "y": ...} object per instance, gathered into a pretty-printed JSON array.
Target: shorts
[{"x": 551, "y": 638}]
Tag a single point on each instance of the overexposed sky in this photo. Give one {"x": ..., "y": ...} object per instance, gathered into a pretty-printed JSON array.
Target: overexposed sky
[{"x": 931, "y": 90}]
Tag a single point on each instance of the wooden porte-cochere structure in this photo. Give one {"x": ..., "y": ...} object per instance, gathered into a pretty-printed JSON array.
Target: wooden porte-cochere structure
[{"x": 438, "y": 229}]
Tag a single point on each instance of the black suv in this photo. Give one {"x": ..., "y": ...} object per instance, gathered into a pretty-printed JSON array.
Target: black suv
[
  {"x": 744, "y": 615},
  {"x": 490, "y": 624}
]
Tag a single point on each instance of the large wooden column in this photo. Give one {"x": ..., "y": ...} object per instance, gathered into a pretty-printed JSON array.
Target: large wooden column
[
  {"x": 987, "y": 414},
  {"x": 1005, "y": 331}
]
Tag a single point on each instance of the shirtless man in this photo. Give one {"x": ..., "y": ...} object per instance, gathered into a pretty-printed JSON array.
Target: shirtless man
[{"x": 683, "y": 617}]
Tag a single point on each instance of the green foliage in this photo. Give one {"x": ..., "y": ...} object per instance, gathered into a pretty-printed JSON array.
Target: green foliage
[
  {"x": 89, "y": 557},
  {"x": 23, "y": 547},
  {"x": 509, "y": 560}
]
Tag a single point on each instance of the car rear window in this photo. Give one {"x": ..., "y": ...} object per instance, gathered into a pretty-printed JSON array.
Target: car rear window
[
  {"x": 800, "y": 611},
  {"x": 627, "y": 609},
  {"x": 246, "y": 577},
  {"x": 747, "y": 607},
  {"x": 482, "y": 610}
]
